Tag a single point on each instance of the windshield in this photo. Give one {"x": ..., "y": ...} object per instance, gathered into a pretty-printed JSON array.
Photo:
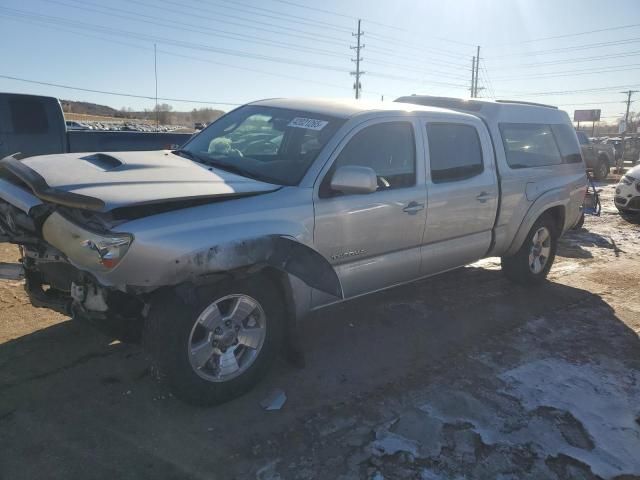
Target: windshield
[{"x": 270, "y": 144}]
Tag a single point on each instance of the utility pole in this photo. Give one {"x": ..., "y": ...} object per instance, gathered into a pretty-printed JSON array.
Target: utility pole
[
  {"x": 155, "y": 69},
  {"x": 475, "y": 89},
  {"x": 357, "y": 60},
  {"x": 473, "y": 76},
  {"x": 626, "y": 115}
]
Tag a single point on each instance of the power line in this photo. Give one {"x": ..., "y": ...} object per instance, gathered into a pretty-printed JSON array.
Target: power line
[
  {"x": 634, "y": 53},
  {"x": 272, "y": 14},
  {"x": 565, "y": 73},
  {"x": 118, "y": 94},
  {"x": 415, "y": 80},
  {"x": 570, "y": 92},
  {"x": 422, "y": 47},
  {"x": 487, "y": 81},
  {"x": 247, "y": 23},
  {"x": 585, "y": 103},
  {"x": 588, "y": 46},
  {"x": 329, "y": 12},
  {"x": 423, "y": 70},
  {"x": 112, "y": 11},
  {"x": 577, "y": 34},
  {"x": 190, "y": 57},
  {"x": 163, "y": 40}
]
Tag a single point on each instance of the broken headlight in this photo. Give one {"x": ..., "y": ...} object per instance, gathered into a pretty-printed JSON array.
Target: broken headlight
[
  {"x": 84, "y": 248},
  {"x": 109, "y": 250}
]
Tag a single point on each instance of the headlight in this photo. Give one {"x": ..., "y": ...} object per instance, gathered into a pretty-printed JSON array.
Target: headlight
[
  {"x": 109, "y": 249},
  {"x": 83, "y": 248},
  {"x": 627, "y": 180}
]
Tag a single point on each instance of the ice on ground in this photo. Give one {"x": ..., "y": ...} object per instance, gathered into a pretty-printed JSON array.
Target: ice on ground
[
  {"x": 389, "y": 443},
  {"x": 605, "y": 403},
  {"x": 275, "y": 400}
]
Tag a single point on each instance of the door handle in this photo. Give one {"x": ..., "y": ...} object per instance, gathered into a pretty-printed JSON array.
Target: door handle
[
  {"x": 413, "y": 208},
  {"x": 483, "y": 197}
]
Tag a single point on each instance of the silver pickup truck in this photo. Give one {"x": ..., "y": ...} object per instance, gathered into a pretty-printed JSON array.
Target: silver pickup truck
[{"x": 216, "y": 251}]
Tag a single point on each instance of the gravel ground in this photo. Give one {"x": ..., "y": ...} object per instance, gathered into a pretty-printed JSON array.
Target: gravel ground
[{"x": 460, "y": 376}]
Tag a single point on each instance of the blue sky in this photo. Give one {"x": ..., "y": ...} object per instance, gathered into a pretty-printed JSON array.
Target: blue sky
[{"x": 235, "y": 51}]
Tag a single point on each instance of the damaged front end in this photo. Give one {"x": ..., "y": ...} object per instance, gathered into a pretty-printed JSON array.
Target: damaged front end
[
  {"x": 51, "y": 280},
  {"x": 80, "y": 260}
]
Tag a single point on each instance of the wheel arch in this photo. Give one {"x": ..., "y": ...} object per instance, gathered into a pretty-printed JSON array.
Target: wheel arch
[{"x": 550, "y": 203}]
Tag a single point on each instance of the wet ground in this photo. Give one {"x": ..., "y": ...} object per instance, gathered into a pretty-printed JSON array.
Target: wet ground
[{"x": 461, "y": 376}]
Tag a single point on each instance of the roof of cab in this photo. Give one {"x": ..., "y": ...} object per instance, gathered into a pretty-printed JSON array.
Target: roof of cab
[
  {"x": 513, "y": 111},
  {"x": 41, "y": 97},
  {"x": 346, "y": 108}
]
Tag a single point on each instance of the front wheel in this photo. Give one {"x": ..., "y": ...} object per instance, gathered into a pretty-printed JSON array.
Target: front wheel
[
  {"x": 532, "y": 262},
  {"x": 220, "y": 345}
]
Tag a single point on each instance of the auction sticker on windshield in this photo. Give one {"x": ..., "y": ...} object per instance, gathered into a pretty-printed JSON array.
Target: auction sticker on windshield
[{"x": 308, "y": 123}]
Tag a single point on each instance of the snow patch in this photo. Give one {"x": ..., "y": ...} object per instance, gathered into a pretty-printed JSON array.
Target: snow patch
[{"x": 606, "y": 404}]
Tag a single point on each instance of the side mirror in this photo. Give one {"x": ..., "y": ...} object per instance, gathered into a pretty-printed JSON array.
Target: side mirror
[{"x": 354, "y": 179}]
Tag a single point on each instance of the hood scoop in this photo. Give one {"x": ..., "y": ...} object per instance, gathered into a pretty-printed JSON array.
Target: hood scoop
[{"x": 103, "y": 161}]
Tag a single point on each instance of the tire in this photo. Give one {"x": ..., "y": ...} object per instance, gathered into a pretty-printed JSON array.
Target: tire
[
  {"x": 601, "y": 172},
  {"x": 175, "y": 328},
  {"x": 517, "y": 267}
]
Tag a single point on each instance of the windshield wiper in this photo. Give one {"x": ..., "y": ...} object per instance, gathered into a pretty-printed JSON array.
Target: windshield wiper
[
  {"x": 185, "y": 153},
  {"x": 230, "y": 167}
]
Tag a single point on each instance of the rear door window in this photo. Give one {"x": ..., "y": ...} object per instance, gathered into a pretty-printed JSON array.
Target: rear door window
[
  {"x": 455, "y": 152},
  {"x": 566, "y": 139},
  {"x": 28, "y": 116},
  {"x": 529, "y": 145}
]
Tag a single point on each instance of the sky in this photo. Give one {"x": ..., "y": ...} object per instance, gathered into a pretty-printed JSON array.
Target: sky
[{"x": 222, "y": 53}]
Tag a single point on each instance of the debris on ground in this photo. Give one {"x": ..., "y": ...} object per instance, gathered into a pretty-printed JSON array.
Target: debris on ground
[{"x": 274, "y": 400}]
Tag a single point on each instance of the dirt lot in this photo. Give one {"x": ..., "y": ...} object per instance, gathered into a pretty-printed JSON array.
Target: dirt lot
[{"x": 460, "y": 376}]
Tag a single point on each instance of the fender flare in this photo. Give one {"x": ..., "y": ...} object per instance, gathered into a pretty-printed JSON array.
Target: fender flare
[
  {"x": 550, "y": 199},
  {"x": 281, "y": 252}
]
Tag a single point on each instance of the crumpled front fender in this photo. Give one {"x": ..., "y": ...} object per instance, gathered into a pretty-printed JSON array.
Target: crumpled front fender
[{"x": 278, "y": 251}]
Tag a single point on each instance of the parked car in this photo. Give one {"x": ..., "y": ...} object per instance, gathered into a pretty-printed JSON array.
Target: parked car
[
  {"x": 73, "y": 125},
  {"x": 598, "y": 157},
  {"x": 220, "y": 253},
  {"x": 617, "y": 145},
  {"x": 35, "y": 125},
  {"x": 631, "y": 150},
  {"x": 627, "y": 199}
]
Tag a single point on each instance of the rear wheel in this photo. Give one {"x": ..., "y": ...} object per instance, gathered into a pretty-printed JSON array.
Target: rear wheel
[
  {"x": 532, "y": 262},
  {"x": 219, "y": 347},
  {"x": 601, "y": 171}
]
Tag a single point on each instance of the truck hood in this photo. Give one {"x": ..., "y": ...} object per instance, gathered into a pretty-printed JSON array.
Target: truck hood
[{"x": 105, "y": 181}]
